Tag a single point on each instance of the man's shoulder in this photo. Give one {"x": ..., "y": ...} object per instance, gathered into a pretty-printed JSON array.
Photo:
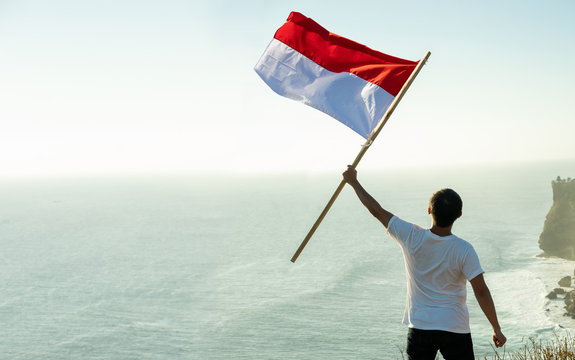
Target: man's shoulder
[
  {"x": 406, "y": 233},
  {"x": 397, "y": 221},
  {"x": 463, "y": 246},
  {"x": 462, "y": 242},
  {"x": 401, "y": 228}
]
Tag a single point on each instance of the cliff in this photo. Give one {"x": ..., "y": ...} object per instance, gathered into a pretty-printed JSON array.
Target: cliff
[{"x": 558, "y": 236}]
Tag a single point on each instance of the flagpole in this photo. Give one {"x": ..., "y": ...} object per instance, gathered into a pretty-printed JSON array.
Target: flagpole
[{"x": 362, "y": 152}]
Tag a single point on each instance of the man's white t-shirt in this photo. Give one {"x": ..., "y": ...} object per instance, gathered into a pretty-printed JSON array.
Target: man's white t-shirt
[{"x": 437, "y": 269}]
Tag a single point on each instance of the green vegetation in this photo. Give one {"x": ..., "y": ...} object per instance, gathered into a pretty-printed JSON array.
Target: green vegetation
[{"x": 561, "y": 348}]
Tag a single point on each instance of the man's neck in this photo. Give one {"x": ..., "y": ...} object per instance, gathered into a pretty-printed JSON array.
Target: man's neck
[{"x": 441, "y": 231}]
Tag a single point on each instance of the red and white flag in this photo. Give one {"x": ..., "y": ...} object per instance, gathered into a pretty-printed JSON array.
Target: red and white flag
[{"x": 344, "y": 79}]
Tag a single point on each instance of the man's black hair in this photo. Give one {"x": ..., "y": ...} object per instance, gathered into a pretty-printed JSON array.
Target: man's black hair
[{"x": 445, "y": 206}]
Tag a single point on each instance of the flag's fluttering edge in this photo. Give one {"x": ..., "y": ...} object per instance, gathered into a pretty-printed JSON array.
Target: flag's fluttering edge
[{"x": 342, "y": 78}]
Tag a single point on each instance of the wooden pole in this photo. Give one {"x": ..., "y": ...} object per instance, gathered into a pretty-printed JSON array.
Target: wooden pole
[{"x": 362, "y": 152}]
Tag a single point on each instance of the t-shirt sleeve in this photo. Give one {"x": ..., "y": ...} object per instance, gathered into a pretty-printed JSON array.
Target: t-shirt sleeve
[
  {"x": 400, "y": 230},
  {"x": 471, "y": 265}
]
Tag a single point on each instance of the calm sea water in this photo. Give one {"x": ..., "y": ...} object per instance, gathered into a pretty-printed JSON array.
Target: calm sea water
[{"x": 197, "y": 266}]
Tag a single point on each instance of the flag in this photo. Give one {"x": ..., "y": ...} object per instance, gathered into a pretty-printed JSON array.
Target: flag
[{"x": 344, "y": 79}]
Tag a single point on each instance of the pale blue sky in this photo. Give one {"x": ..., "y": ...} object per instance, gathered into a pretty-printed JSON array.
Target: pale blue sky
[{"x": 122, "y": 86}]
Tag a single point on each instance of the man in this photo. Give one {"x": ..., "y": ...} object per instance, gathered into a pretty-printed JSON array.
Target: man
[{"x": 437, "y": 264}]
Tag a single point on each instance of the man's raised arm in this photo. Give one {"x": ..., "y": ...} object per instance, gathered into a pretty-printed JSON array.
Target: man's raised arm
[{"x": 350, "y": 176}]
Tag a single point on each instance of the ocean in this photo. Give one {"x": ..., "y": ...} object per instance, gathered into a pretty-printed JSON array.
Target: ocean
[{"x": 197, "y": 266}]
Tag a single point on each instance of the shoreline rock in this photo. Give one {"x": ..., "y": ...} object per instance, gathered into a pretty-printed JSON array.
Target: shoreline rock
[
  {"x": 568, "y": 295},
  {"x": 565, "y": 281}
]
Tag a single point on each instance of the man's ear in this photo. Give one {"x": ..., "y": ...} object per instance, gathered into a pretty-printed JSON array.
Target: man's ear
[
  {"x": 461, "y": 213},
  {"x": 429, "y": 210}
]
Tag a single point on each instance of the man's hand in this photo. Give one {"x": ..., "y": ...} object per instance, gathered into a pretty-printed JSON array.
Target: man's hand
[
  {"x": 498, "y": 338},
  {"x": 350, "y": 175}
]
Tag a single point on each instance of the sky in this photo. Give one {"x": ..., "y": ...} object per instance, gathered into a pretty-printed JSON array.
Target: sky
[{"x": 168, "y": 86}]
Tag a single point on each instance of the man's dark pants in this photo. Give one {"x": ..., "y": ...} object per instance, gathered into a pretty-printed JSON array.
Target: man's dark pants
[{"x": 424, "y": 344}]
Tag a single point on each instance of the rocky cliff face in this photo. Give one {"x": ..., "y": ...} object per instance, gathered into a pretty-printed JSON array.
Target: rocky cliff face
[{"x": 558, "y": 236}]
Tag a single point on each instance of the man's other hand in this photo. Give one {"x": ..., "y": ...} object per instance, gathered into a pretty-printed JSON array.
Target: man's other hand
[{"x": 499, "y": 339}]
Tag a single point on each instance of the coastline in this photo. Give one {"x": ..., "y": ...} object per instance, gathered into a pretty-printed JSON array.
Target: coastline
[{"x": 550, "y": 270}]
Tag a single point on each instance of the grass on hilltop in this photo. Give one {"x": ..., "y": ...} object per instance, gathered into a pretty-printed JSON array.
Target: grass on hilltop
[{"x": 561, "y": 348}]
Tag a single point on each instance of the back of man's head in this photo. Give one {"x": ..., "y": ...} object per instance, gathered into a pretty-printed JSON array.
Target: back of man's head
[{"x": 445, "y": 206}]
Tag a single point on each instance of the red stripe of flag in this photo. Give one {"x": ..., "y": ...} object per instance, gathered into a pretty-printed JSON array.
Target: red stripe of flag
[{"x": 338, "y": 54}]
